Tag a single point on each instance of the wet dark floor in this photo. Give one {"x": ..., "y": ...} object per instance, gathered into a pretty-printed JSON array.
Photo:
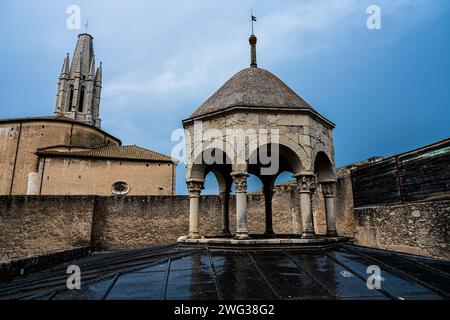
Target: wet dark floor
[{"x": 174, "y": 273}]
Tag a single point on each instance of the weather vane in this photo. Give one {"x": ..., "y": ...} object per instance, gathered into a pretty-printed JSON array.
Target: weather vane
[
  {"x": 253, "y": 21},
  {"x": 87, "y": 26}
]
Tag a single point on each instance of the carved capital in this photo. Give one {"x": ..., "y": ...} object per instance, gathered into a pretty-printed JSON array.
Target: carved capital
[
  {"x": 240, "y": 181},
  {"x": 195, "y": 187},
  {"x": 328, "y": 189},
  {"x": 306, "y": 183}
]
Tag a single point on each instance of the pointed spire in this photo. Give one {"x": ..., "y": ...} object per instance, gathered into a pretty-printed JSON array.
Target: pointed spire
[
  {"x": 98, "y": 75},
  {"x": 65, "y": 68},
  {"x": 80, "y": 84},
  {"x": 84, "y": 51},
  {"x": 92, "y": 68},
  {"x": 253, "y": 40}
]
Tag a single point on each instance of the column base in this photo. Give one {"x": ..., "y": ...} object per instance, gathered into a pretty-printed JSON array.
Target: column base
[
  {"x": 225, "y": 233},
  {"x": 308, "y": 235},
  {"x": 242, "y": 236},
  {"x": 332, "y": 233},
  {"x": 193, "y": 235}
]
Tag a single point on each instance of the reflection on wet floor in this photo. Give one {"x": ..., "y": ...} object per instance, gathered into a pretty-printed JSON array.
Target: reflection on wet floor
[
  {"x": 176, "y": 273},
  {"x": 339, "y": 280}
]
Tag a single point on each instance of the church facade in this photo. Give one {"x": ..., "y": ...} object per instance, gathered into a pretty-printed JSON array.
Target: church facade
[{"x": 68, "y": 153}]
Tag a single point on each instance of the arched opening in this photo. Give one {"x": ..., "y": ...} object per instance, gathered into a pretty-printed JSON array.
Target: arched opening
[
  {"x": 256, "y": 207},
  {"x": 271, "y": 162},
  {"x": 284, "y": 178},
  {"x": 323, "y": 168},
  {"x": 81, "y": 100},
  {"x": 323, "y": 200},
  {"x": 70, "y": 98},
  {"x": 211, "y": 185},
  {"x": 212, "y": 169}
]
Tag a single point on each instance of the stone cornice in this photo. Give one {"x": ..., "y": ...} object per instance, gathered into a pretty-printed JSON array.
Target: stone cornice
[{"x": 291, "y": 110}]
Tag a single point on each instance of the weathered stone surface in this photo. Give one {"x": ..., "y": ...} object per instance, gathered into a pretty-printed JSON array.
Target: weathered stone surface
[
  {"x": 418, "y": 228},
  {"x": 33, "y": 225},
  {"x": 36, "y": 225}
]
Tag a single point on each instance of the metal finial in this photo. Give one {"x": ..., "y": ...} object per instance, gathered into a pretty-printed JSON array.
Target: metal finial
[{"x": 253, "y": 19}]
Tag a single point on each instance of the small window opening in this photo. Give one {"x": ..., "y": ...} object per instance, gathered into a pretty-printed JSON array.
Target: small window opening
[
  {"x": 71, "y": 98},
  {"x": 81, "y": 102},
  {"x": 121, "y": 188}
]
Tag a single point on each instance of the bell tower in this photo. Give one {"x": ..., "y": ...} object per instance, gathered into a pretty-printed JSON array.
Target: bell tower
[{"x": 80, "y": 84}]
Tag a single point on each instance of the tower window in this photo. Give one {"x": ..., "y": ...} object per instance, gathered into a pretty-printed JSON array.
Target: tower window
[
  {"x": 70, "y": 98},
  {"x": 81, "y": 102}
]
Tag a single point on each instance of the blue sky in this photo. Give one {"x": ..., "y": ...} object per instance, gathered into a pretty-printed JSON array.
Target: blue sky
[{"x": 387, "y": 90}]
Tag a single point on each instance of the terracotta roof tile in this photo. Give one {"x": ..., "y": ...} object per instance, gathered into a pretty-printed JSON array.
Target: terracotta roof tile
[{"x": 112, "y": 152}]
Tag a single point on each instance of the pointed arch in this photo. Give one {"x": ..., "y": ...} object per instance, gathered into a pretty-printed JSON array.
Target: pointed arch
[
  {"x": 81, "y": 100},
  {"x": 323, "y": 167},
  {"x": 71, "y": 96}
]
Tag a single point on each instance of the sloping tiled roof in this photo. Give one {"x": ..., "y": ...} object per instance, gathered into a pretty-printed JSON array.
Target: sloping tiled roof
[
  {"x": 252, "y": 87},
  {"x": 111, "y": 152}
]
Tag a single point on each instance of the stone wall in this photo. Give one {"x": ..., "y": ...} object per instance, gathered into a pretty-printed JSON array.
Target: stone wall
[
  {"x": 418, "y": 228},
  {"x": 38, "y": 225},
  {"x": 286, "y": 201},
  {"x": 34, "y": 225},
  {"x": 132, "y": 222}
]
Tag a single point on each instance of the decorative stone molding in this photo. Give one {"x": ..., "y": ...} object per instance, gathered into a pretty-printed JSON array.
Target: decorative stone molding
[
  {"x": 328, "y": 189},
  {"x": 240, "y": 181},
  {"x": 306, "y": 183}
]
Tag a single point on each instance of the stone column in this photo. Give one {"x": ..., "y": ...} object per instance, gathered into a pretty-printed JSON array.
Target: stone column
[
  {"x": 225, "y": 201},
  {"x": 297, "y": 227},
  {"x": 268, "y": 195},
  {"x": 195, "y": 188},
  {"x": 328, "y": 189},
  {"x": 306, "y": 187},
  {"x": 240, "y": 181}
]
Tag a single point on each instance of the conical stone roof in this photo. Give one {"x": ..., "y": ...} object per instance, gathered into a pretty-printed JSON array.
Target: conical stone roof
[{"x": 252, "y": 87}]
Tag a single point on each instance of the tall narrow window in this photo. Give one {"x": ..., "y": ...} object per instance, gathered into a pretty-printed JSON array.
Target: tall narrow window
[
  {"x": 70, "y": 106},
  {"x": 81, "y": 102}
]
